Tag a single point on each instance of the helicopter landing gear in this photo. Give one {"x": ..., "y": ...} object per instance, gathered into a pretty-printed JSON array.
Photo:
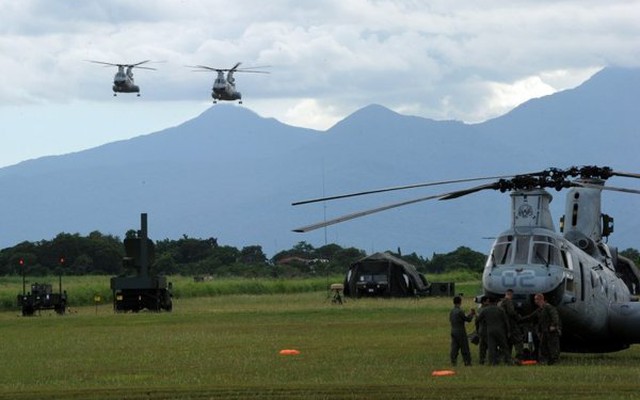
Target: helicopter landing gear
[
  {"x": 115, "y": 94},
  {"x": 240, "y": 102},
  {"x": 138, "y": 94}
]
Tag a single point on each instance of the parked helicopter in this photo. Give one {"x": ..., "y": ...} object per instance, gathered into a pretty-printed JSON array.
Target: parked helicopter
[
  {"x": 225, "y": 88},
  {"x": 123, "y": 80},
  {"x": 593, "y": 287}
]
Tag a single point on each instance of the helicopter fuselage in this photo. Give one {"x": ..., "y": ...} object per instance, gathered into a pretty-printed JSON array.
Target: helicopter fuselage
[
  {"x": 226, "y": 92},
  {"x": 225, "y": 89},
  {"x": 596, "y": 306},
  {"x": 582, "y": 288},
  {"x": 123, "y": 82},
  {"x": 123, "y": 79}
]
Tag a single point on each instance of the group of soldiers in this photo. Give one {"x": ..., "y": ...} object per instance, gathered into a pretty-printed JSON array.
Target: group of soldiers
[{"x": 500, "y": 331}]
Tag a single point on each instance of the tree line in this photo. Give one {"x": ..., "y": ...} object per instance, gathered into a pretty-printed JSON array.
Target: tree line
[{"x": 100, "y": 254}]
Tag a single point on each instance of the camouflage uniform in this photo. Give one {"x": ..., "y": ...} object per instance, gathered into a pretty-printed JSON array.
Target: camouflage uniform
[
  {"x": 481, "y": 330},
  {"x": 548, "y": 329},
  {"x": 459, "y": 341},
  {"x": 497, "y": 331},
  {"x": 515, "y": 338}
]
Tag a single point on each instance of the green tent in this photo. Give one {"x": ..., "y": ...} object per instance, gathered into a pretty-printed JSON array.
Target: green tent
[{"x": 382, "y": 274}]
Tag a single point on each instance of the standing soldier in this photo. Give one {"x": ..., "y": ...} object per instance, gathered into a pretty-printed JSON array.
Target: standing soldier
[
  {"x": 459, "y": 341},
  {"x": 515, "y": 338},
  {"x": 497, "y": 326},
  {"x": 481, "y": 329},
  {"x": 549, "y": 328}
]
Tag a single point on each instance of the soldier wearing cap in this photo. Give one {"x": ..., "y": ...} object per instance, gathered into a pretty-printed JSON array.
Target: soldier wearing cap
[{"x": 459, "y": 340}]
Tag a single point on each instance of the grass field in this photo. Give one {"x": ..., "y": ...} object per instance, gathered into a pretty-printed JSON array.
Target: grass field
[
  {"x": 83, "y": 289},
  {"x": 227, "y": 347}
]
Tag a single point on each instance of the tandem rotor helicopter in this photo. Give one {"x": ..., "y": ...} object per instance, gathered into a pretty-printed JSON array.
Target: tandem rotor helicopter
[
  {"x": 225, "y": 88},
  {"x": 123, "y": 80},
  {"x": 593, "y": 287}
]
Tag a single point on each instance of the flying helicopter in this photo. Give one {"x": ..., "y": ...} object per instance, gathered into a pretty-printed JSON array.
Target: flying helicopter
[
  {"x": 593, "y": 287},
  {"x": 225, "y": 88},
  {"x": 123, "y": 80}
]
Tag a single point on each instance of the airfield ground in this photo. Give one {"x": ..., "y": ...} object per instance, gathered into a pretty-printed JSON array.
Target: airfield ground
[{"x": 227, "y": 347}]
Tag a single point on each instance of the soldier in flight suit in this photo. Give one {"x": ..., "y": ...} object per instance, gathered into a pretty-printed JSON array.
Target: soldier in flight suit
[
  {"x": 459, "y": 341},
  {"x": 481, "y": 329},
  {"x": 549, "y": 328},
  {"x": 515, "y": 339},
  {"x": 497, "y": 332}
]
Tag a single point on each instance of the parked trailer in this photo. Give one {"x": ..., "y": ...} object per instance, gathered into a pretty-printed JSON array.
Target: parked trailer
[
  {"x": 136, "y": 293},
  {"x": 41, "y": 297}
]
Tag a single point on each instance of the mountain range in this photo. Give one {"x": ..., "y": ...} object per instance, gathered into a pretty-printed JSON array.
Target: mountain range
[{"x": 232, "y": 175}]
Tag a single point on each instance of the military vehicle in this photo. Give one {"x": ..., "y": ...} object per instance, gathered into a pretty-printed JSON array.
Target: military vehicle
[
  {"x": 41, "y": 297},
  {"x": 142, "y": 291}
]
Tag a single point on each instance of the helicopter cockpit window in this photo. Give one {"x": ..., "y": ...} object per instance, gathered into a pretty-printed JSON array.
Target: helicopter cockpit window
[
  {"x": 566, "y": 260},
  {"x": 502, "y": 250},
  {"x": 545, "y": 251},
  {"x": 567, "y": 263},
  {"x": 522, "y": 249}
]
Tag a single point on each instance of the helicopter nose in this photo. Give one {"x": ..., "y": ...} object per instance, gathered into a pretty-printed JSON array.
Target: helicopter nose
[{"x": 524, "y": 279}]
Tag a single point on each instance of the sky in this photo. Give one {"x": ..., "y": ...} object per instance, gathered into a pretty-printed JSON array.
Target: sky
[{"x": 441, "y": 59}]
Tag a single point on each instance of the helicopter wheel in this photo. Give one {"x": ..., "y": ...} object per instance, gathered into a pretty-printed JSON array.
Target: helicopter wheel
[
  {"x": 114, "y": 95},
  {"x": 240, "y": 102},
  {"x": 138, "y": 94}
]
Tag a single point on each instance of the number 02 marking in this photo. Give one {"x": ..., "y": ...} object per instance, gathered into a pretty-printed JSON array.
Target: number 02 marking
[{"x": 511, "y": 279}]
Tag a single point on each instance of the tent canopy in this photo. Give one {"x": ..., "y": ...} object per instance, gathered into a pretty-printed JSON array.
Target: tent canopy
[{"x": 382, "y": 274}]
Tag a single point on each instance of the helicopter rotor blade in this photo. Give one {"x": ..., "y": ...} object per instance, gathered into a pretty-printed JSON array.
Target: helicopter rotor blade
[
  {"x": 136, "y": 65},
  {"x": 390, "y": 189},
  {"x": 254, "y": 69},
  {"x": 103, "y": 63},
  {"x": 464, "y": 192},
  {"x": 140, "y": 63},
  {"x": 441, "y": 196},
  {"x": 550, "y": 178},
  {"x": 626, "y": 174},
  {"x": 204, "y": 68},
  {"x": 252, "y": 72},
  {"x": 363, "y": 213},
  {"x": 234, "y": 69},
  {"x": 602, "y": 187}
]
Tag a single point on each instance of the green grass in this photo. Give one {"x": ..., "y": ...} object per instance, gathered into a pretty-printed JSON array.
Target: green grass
[
  {"x": 83, "y": 289},
  {"x": 227, "y": 347}
]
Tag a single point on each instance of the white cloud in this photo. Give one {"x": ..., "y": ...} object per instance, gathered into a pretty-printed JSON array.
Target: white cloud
[
  {"x": 439, "y": 59},
  {"x": 309, "y": 113},
  {"x": 506, "y": 96}
]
